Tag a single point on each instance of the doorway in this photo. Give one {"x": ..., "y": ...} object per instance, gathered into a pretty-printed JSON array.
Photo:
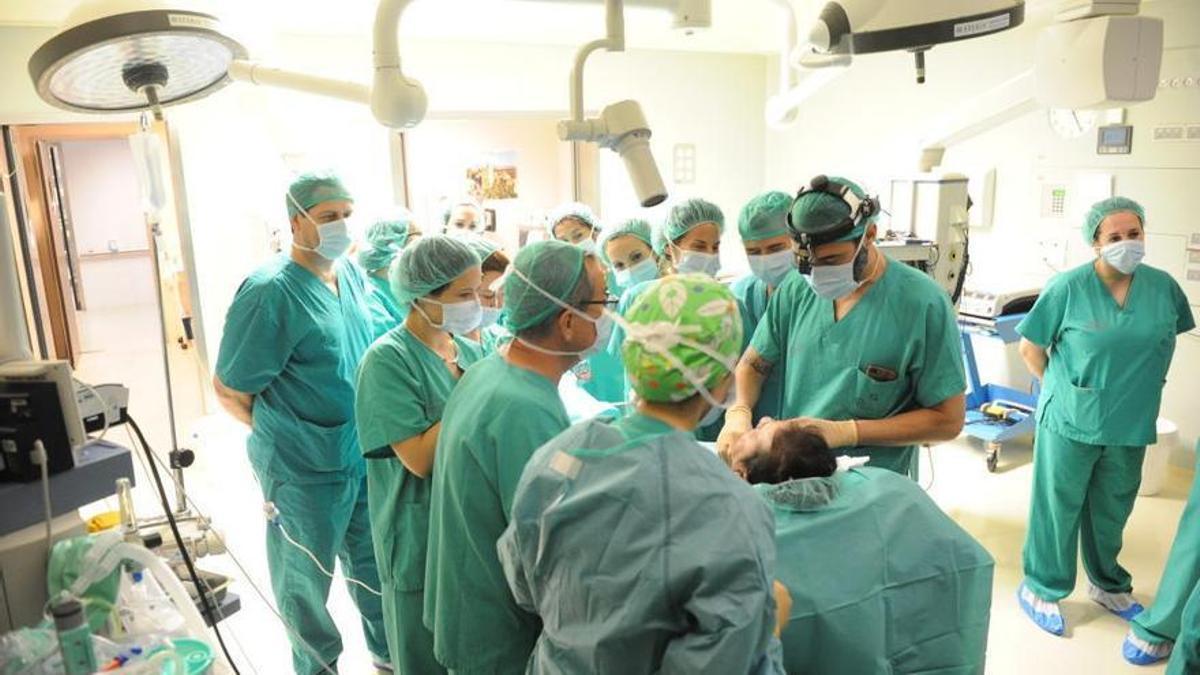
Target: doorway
[{"x": 78, "y": 199}]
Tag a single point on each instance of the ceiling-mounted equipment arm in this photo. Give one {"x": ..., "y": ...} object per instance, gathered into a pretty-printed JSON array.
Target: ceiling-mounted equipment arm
[
  {"x": 621, "y": 127},
  {"x": 395, "y": 100}
]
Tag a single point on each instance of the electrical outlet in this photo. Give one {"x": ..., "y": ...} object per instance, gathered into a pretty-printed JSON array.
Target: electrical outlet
[
  {"x": 684, "y": 163},
  {"x": 1170, "y": 133}
]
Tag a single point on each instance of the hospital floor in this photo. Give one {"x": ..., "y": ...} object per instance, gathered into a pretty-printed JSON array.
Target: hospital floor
[{"x": 991, "y": 506}]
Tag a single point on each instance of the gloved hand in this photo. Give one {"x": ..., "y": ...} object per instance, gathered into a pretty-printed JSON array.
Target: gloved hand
[
  {"x": 783, "y": 607},
  {"x": 738, "y": 420},
  {"x": 837, "y": 434}
]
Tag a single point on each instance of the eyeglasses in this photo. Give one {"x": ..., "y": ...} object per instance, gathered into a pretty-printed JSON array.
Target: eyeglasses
[{"x": 610, "y": 302}]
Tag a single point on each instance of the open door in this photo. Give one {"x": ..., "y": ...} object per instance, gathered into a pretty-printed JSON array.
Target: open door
[{"x": 66, "y": 259}]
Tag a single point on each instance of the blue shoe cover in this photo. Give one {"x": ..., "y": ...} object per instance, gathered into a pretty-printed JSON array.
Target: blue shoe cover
[
  {"x": 1138, "y": 656},
  {"x": 1051, "y": 623}
]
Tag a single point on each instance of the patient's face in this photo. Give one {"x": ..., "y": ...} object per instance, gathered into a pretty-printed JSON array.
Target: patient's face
[{"x": 788, "y": 453}]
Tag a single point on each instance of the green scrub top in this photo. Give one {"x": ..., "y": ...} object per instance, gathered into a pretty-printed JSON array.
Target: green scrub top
[
  {"x": 1107, "y": 366},
  {"x": 753, "y": 296},
  {"x": 903, "y": 323},
  {"x": 294, "y": 344},
  {"x": 402, "y": 388},
  {"x": 392, "y": 311},
  {"x": 603, "y": 376},
  {"x": 907, "y": 589},
  {"x": 494, "y": 420}
]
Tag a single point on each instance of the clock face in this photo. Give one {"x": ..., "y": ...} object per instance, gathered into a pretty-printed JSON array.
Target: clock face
[{"x": 1072, "y": 123}]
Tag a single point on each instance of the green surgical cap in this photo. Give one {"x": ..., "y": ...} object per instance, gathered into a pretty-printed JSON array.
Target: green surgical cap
[
  {"x": 633, "y": 227},
  {"x": 431, "y": 263},
  {"x": 1105, "y": 208},
  {"x": 385, "y": 238},
  {"x": 765, "y": 216},
  {"x": 581, "y": 212},
  {"x": 483, "y": 247},
  {"x": 684, "y": 217},
  {"x": 313, "y": 188},
  {"x": 816, "y": 210},
  {"x": 670, "y": 313},
  {"x": 555, "y": 267}
]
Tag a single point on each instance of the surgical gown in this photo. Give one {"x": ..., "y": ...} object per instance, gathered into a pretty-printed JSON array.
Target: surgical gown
[
  {"x": 882, "y": 581},
  {"x": 753, "y": 296},
  {"x": 1185, "y": 659},
  {"x": 494, "y": 420},
  {"x": 402, "y": 388},
  {"x": 1163, "y": 620},
  {"x": 294, "y": 344},
  {"x": 1097, "y": 412},
  {"x": 390, "y": 312},
  {"x": 642, "y": 553},
  {"x": 903, "y": 324}
]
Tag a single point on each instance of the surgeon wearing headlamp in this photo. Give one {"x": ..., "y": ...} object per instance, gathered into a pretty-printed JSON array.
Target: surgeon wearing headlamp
[{"x": 869, "y": 349}]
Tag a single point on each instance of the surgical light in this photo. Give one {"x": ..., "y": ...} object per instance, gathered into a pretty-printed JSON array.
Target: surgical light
[{"x": 125, "y": 56}]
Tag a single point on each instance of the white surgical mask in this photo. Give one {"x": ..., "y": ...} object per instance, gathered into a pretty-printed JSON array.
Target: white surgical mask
[
  {"x": 832, "y": 282},
  {"x": 334, "y": 239},
  {"x": 588, "y": 245},
  {"x": 458, "y": 318},
  {"x": 645, "y": 270},
  {"x": 772, "y": 268},
  {"x": 489, "y": 316},
  {"x": 1124, "y": 256},
  {"x": 695, "y": 262}
]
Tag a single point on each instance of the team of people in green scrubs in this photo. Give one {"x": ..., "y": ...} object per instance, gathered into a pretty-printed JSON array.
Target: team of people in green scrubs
[{"x": 406, "y": 420}]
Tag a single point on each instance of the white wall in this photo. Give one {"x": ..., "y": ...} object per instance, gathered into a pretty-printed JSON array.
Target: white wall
[
  {"x": 862, "y": 123},
  {"x": 240, "y": 148},
  {"x": 102, "y": 190}
]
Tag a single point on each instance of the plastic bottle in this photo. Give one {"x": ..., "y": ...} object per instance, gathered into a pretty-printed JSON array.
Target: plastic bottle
[{"x": 74, "y": 637}]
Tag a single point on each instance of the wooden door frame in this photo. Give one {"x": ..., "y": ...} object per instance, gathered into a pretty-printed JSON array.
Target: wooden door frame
[{"x": 25, "y": 139}]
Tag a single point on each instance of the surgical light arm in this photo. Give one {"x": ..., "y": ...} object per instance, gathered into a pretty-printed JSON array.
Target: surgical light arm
[
  {"x": 395, "y": 100},
  {"x": 622, "y": 126}
]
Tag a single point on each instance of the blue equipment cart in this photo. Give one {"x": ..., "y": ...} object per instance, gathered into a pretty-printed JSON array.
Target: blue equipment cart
[{"x": 995, "y": 413}]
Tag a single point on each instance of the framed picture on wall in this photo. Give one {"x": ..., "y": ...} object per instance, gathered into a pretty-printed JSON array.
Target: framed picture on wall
[{"x": 489, "y": 220}]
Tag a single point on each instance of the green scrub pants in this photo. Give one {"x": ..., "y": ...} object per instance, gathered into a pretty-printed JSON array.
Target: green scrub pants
[
  {"x": 1085, "y": 489},
  {"x": 409, "y": 642},
  {"x": 331, "y": 520},
  {"x": 1161, "y": 622},
  {"x": 1185, "y": 660}
]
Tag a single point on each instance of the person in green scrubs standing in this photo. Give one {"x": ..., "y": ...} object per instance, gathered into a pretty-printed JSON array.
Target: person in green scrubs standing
[
  {"x": 494, "y": 264},
  {"x": 503, "y": 409},
  {"x": 1100, "y": 337},
  {"x": 1153, "y": 632},
  {"x": 628, "y": 251},
  {"x": 762, "y": 225},
  {"x": 385, "y": 239},
  {"x": 403, "y": 383},
  {"x": 869, "y": 348},
  {"x": 293, "y": 338}
]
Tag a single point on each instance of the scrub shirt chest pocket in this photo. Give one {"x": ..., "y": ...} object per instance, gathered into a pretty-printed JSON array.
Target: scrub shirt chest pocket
[{"x": 882, "y": 384}]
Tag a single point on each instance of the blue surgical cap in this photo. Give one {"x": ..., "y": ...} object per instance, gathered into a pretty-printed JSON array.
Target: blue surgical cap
[
  {"x": 581, "y": 212},
  {"x": 633, "y": 227},
  {"x": 431, "y": 263},
  {"x": 686, "y": 216},
  {"x": 555, "y": 267},
  {"x": 311, "y": 189},
  {"x": 385, "y": 238},
  {"x": 1105, "y": 208},
  {"x": 814, "y": 211},
  {"x": 765, "y": 216}
]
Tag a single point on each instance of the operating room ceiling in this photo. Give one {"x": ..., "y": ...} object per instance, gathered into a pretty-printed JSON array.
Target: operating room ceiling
[{"x": 739, "y": 26}]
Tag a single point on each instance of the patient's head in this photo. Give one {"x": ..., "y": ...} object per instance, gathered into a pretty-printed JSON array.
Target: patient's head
[{"x": 793, "y": 453}]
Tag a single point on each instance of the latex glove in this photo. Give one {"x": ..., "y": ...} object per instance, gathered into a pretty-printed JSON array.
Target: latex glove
[
  {"x": 738, "y": 420},
  {"x": 840, "y": 434},
  {"x": 783, "y": 607}
]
